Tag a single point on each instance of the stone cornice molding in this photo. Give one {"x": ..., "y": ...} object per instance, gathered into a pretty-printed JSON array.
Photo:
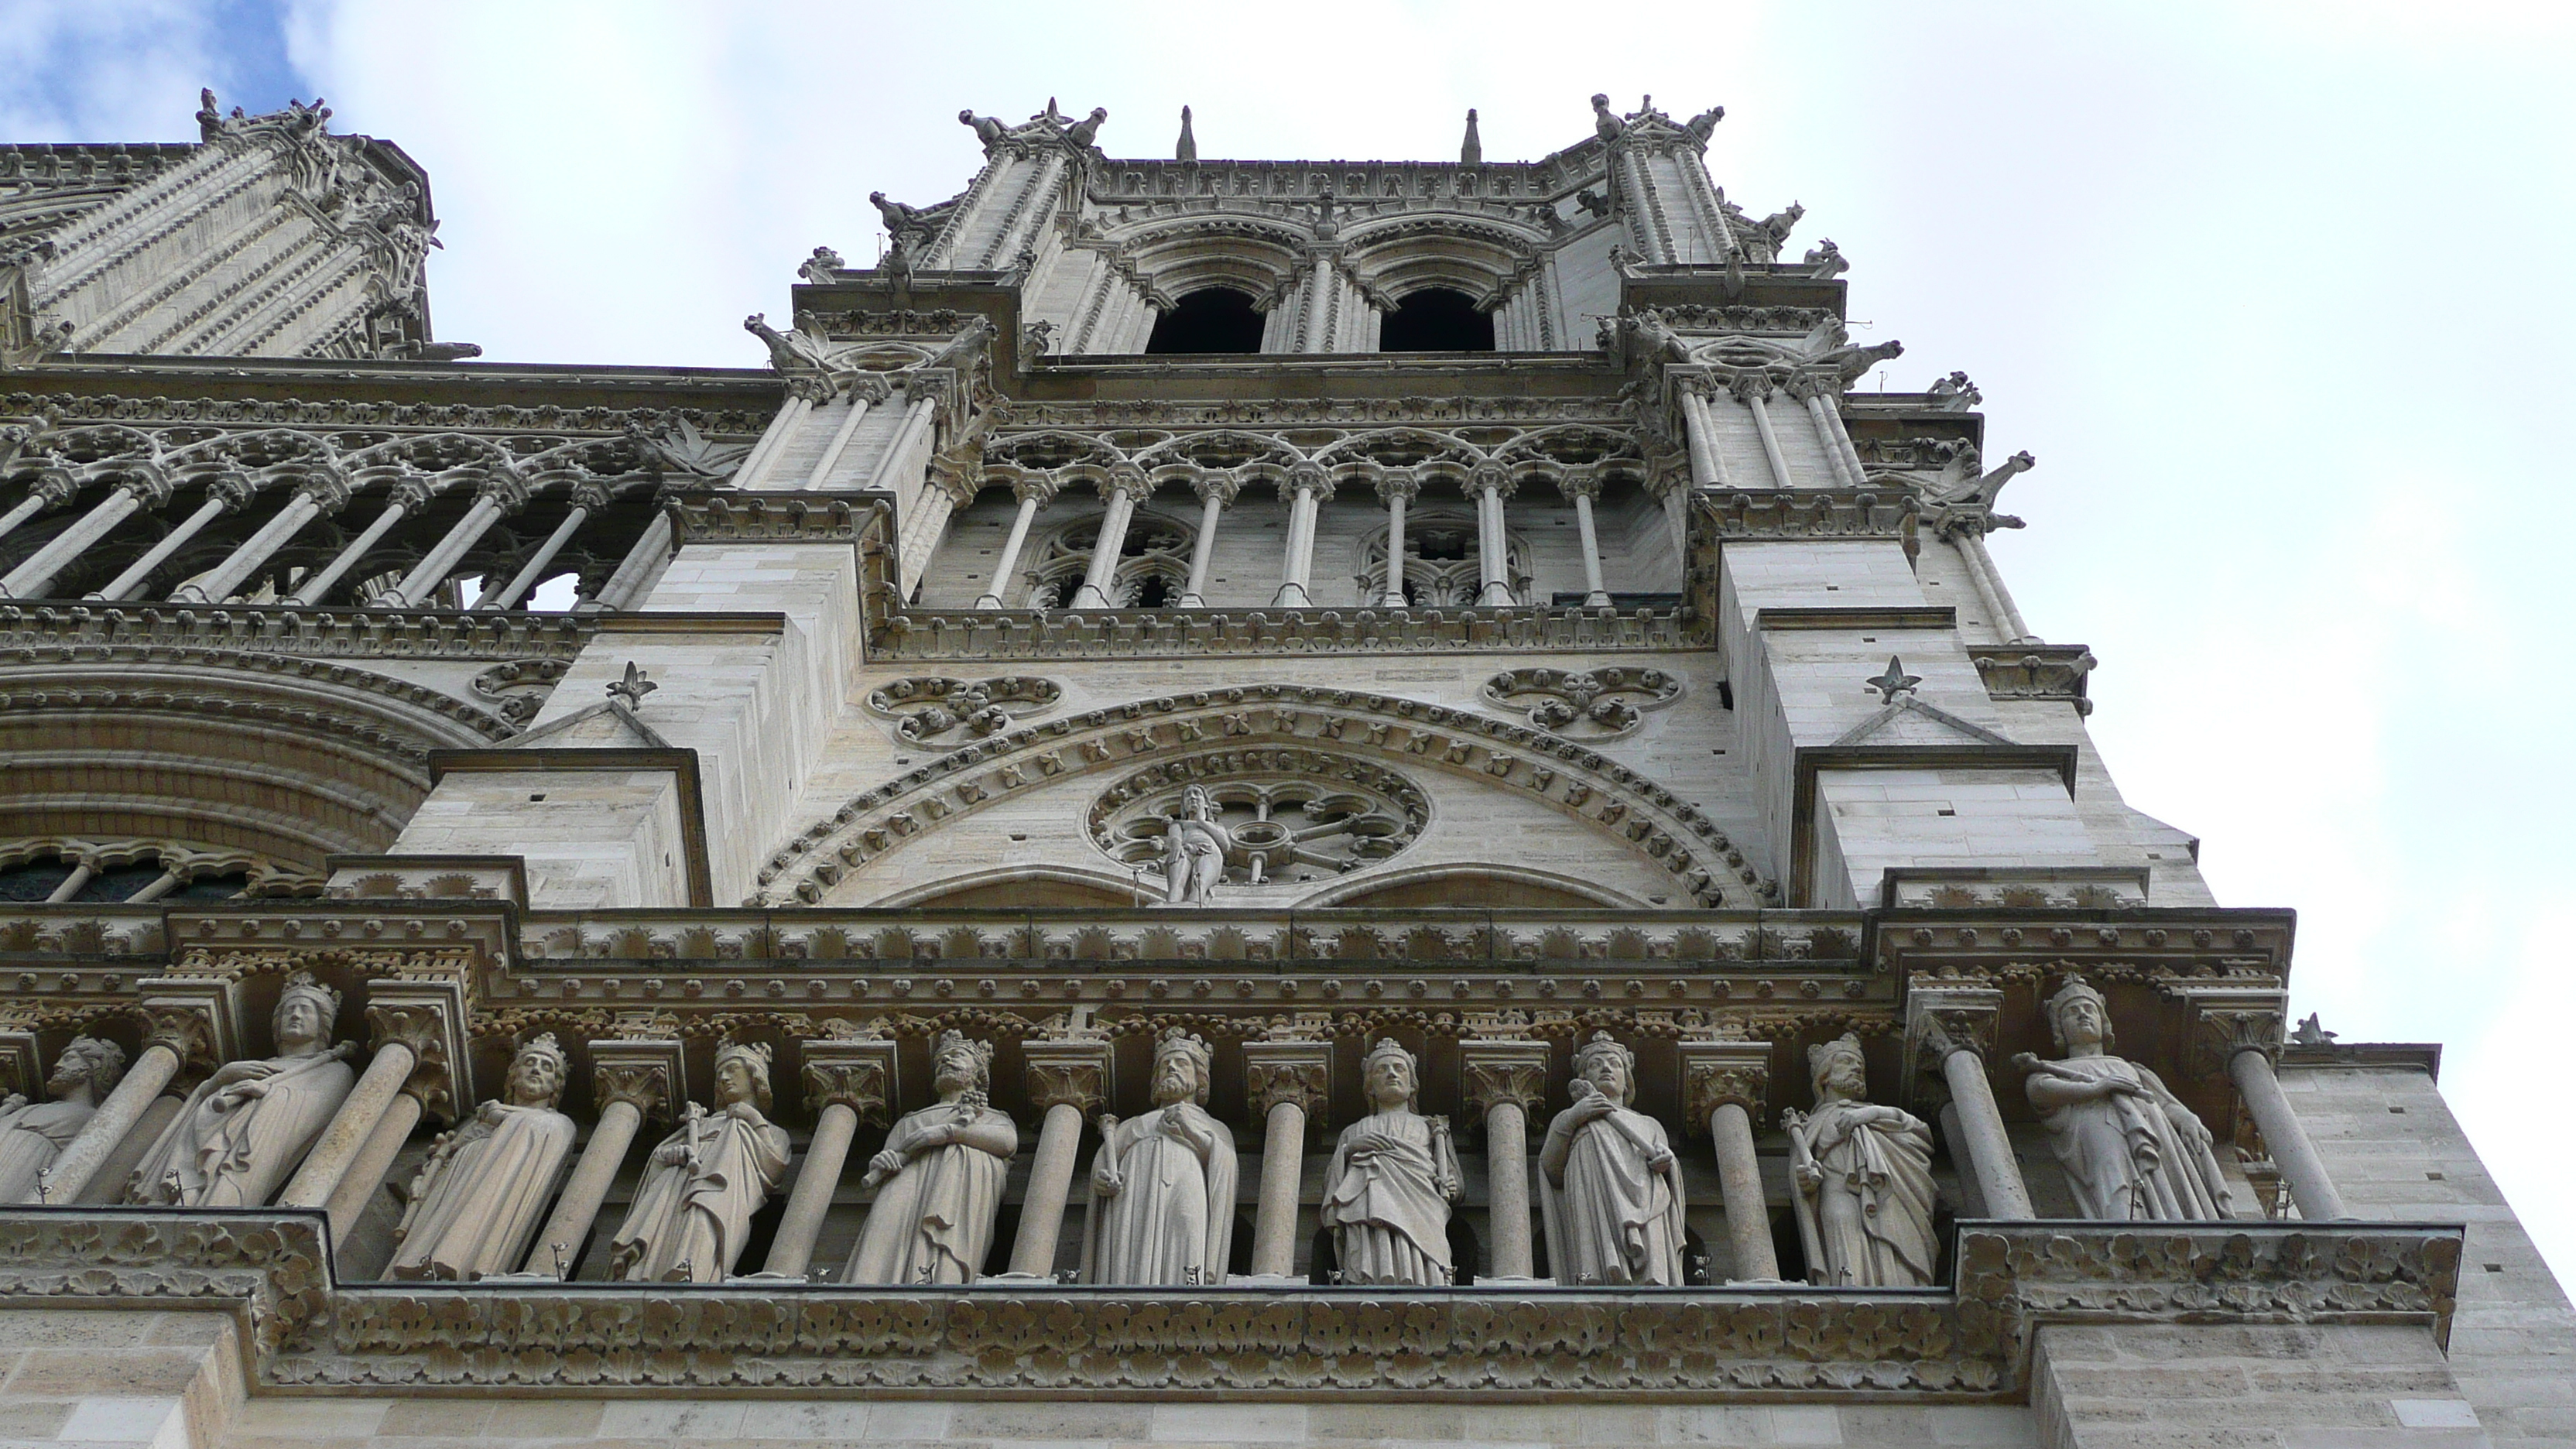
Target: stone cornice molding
[
  {"x": 200, "y": 405},
  {"x": 1568, "y": 777},
  {"x": 289, "y": 632},
  {"x": 1974, "y": 1339}
]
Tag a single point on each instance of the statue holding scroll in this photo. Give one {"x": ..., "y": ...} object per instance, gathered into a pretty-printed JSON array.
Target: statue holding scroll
[
  {"x": 242, "y": 1133},
  {"x": 1863, "y": 1175},
  {"x": 1614, "y": 1200},
  {"x": 1162, "y": 1184},
  {"x": 477, "y": 1201},
  {"x": 33, "y": 1134},
  {"x": 1394, "y": 1175},
  {"x": 2132, "y": 1151},
  {"x": 939, "y": 1179},
  {"x": 705, "y": 1181}
]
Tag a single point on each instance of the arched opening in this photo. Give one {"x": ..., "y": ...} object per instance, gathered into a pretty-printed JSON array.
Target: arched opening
[
  {"x": 1218, "y": 319},
  {"x": 1437, "y": 319}
]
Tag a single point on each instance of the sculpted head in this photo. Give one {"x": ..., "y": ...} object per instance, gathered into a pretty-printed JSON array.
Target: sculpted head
[
  {"x": 1181, "y": 1072},
  {"x": 305, "y": 1010},
  {"x": 1837, "y": 1069},
  {"x": 2078, "y": 1017},
  {"x": 1389, "y": 1076},
  {"x": 537, "y": 1073},
  {"x": 742, "y": 1075},
  {"x": 959, "y": 1065},
  {"x": 1198, "y": 804},
  {"x": 87, "y": 1061},
  {"x": 1608, "y": 1066}
]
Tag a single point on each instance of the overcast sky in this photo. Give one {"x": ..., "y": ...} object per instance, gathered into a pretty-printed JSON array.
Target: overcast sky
[{"x": 2272, "y": 291}]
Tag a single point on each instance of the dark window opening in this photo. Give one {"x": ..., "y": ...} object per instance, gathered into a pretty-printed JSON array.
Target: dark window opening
[
  {"x": 1218, "y": 319},
  {"x": 1153, "y": 592},
  {"x": 1438, "y": 547},
  {"x": 1437, "y": 320}
]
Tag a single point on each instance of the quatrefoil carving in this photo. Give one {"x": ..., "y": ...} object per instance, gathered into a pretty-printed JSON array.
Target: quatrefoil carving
[
  {"x": 1597, "y": 704},
  {"x": 942, "y": 713}
]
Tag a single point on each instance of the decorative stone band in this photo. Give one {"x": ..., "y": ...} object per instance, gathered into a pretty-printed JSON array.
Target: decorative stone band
[{"x": 1970, "y": 1341}]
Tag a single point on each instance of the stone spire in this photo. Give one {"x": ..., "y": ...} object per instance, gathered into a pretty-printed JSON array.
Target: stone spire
[
  {"x": 1471, "y": 152},
  {"x": 1188, "y": 149}
]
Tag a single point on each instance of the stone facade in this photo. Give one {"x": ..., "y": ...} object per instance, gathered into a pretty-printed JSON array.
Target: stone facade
[{"x": 852, "y": 788}]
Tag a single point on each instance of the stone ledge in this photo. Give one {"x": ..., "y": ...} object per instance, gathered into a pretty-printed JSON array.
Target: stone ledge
[{"x": 1970, "y": 1342}]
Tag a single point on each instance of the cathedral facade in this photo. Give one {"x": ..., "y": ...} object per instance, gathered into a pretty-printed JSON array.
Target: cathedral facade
[{"x": 1235, "y": 802}]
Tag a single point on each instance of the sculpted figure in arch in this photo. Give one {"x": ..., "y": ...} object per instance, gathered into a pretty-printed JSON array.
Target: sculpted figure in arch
[
  {"x": 1162, "y": 1184},
  {"x": 1394, "y": 1175},
  {"x": 1194, "y": 848},
  {"x": 1614, "y": 1205},
  {"x": 477, "y": 1200},
  {"x": 33, "y": 1134},
  {"x": 2131, "y": 1149},
  {"x": 934, "y": 1222},
  {"x": 243, "y": 1131},
  {"x": 704, "y": 1182},
  {"x": 1864, "y": 1179}
]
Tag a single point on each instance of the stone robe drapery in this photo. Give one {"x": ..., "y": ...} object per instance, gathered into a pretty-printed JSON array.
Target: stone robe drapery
[
  {"x": 32, "y": 1135},
  {"x": 933, "y": 1223},
  {"x": 1383, "y": 1200},
  {"x": 691, "y": 1217},
  {"x": 1171, "y": 1222},
  {"x": 235, "y": 1145},
  {"x": 1614, "y": 1220},
  {"x": 482, "y": 1194},
  {"x": 1873, "y": 1213},
  {"x": 2132, "y": 1158}
]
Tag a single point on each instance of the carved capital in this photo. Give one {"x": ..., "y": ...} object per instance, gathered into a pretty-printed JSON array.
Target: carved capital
[
  {"x": 193, "y": 1018},
  {"x": 1126, "y": 478},
  {"x": 857, "y": 1074},
  {"x": 1492, "y": 478},
  {"x": 1306, "y": 478},
  {"x": 648, "y": 1074},
  {"x": 1715, "y": 1073},
  {"x": 1218, "y": 484},
  {"x": 1744, "y": 387},
  {"x": 426, "y": 1017},
  {"x": 20, "y": 1069},
  {"x": 2227, "y": 1020},
  {"x": 1299, "y": 1072},
  {"x": 1072, "y": 1072},
  {"x": 1943, "y": 1019},
  {"x": 1397, "y": 483},
  {"x": 1581, "y": 484},
  {"x": 1496, "y": 1072}
]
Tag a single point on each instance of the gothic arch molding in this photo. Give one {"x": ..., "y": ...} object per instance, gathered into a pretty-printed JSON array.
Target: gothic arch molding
[
  {"x": 959, "y": 889},
  {"x": 1352, "y": 892},
  {"x": 1707, "y": 869}
]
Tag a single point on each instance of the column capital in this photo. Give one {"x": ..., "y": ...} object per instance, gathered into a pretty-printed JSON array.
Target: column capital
[
  {"x": 508, "y": 490},
  {"x": 1752, "y": 385},
  {"x": 1943, "y": 1019},
  {"x": 1066, "y": 1071},
  {"x": 194, "y": 1018},
  {"x": 1216, "y": 485},
  {"x": 1288, "y": 1071},
  {"x": 1805, "y": 384},
  {"x": 1306, "y": 478},
  {"x": 428, "y": 1017},
  {"x": 1128, "y": 479},
  {"x": 21, "y": 1070},
  {"x": 1496, "y": 1071},
  {"x": 856, "y": 1073},
  {"x": 648, "y": 1074},
  {"x": 1579, "y": 483},
  {"x": 1035, "y": 485},
  {"x": 1715, "y": 1073},
  {"x": 1492, "y": 478},
  {"x": 1395, "y": 483},
  {"x": 2229, "y": 1019}
]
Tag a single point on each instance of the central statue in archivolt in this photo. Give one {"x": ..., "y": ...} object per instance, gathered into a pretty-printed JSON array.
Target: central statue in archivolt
[{"x": 1194, "y": 849}]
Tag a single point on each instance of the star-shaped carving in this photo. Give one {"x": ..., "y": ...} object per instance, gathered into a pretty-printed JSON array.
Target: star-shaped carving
[
  {"x": 633, "y": 687},
  {"x": 1894, "y": 682}
]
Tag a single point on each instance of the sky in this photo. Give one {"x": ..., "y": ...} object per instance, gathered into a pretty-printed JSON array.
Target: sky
[{"x": 2272, "y": 292}]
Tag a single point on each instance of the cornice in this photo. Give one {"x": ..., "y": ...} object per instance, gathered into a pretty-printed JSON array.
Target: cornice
[
  {"x": 84, "y": 631},
  {"x": 1970, "y": 1341}
]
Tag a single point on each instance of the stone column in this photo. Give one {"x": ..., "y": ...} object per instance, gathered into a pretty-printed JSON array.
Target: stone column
[
  {"x": 862, "y": 396},
  {"x": 1949, "y": 1032},
  {"x": 1726, "y": 1084},
  {"x": 314, "y": 498},
  {"x": 51, "y": 492},
  {"x": 846, "y": 1081},
  {"x": 1754, "y": 391},
  {"x": 419, "y": 1035},
  {"x": 1507, "y": 1081},
  {"x": 1582, "y": 489},
  {"x": 1126, "y": 485},
  {"x": 1033, "y": 490},
  {"x": 1398, "y": 487},
  {"x": 226, "y": 495},
  {"x": 1970, "y": 535},
  {"x": 1699, "y": 430},
  {"x": 30, "y": 578},
  {"x": 1306, "y": 488},
  {"x": 921, "y": 402},
  {"x": 1066, "y": 1079},
  {"x": 1287, "y": 1083},
  {"x": 499, "y": 495},
  {"x": 2241, "y": 1031},
  {"x": 399, "y": 503},
  {"x": 182, "y": 1031},
  {"x": 634, "y": 572},
  {"x": 782, "y": 426},
  {"x": 585, "y": 499},
  {"x": 1489, "y": 486},
  {"x": 629, "y": 1080},
  {"x": 1815, "y": 391},
  {"x": 1216, "y": 489}
]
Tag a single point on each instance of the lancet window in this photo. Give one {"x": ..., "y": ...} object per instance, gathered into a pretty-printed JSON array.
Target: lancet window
[{"x": 1154, "y": 564}]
